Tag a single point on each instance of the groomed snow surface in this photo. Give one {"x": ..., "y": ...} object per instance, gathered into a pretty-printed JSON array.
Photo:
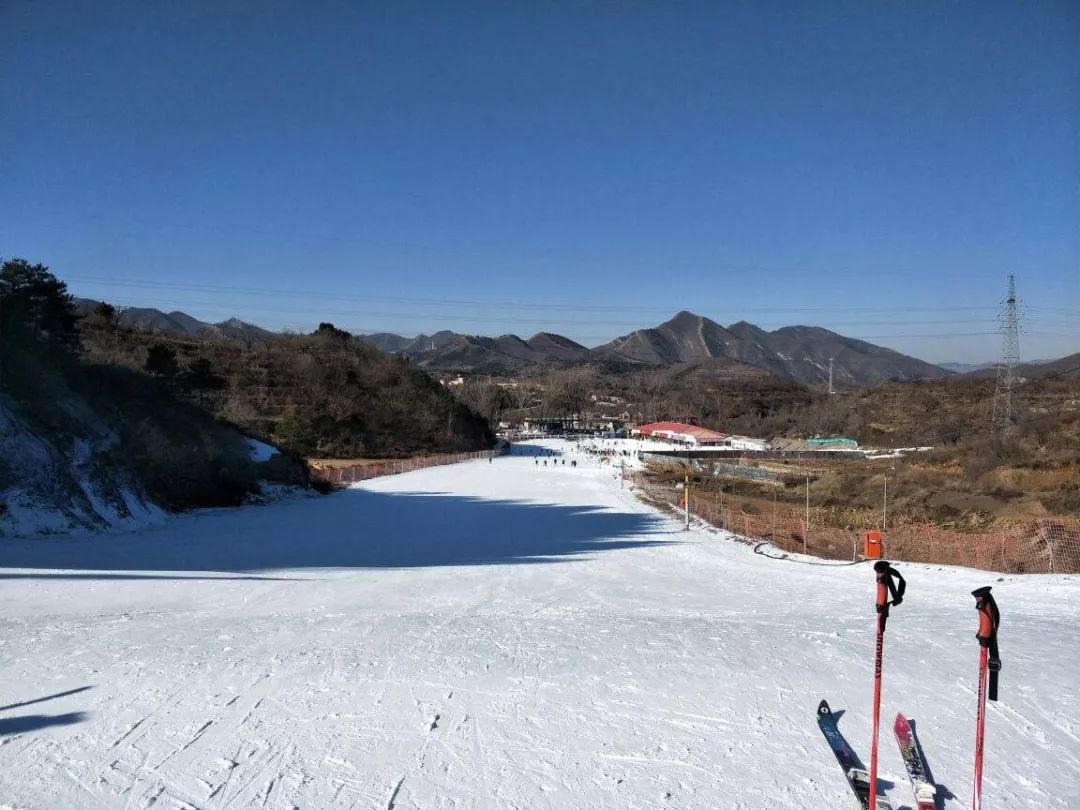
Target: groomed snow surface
[{"x": 501, "y": 635}]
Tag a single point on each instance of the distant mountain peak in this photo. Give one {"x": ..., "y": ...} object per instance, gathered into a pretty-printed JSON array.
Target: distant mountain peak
[
  {"x": 800, "y": 352},
  {"x": 684, "y": 318}
]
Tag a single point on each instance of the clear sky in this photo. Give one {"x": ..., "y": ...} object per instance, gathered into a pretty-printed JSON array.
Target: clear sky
[{"x": 578, "y": 167}]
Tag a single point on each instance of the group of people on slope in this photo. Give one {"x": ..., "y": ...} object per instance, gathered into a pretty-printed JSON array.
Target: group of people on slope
[{"x": 555, "y": 462}]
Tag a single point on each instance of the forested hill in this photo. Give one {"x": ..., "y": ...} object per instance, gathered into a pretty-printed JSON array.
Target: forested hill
[{"x": 326, "y": 394}]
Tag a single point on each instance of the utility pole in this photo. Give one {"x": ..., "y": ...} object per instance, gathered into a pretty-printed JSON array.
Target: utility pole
[
  {"x": 885, "y": 502},
  {"x": 774, "y": 515},
  {"x": 1009, "y": 320},
  {"x": 806, "y": 522},
  {"x": 831, "y": 390},
  {"x": 686, "y": 496}
]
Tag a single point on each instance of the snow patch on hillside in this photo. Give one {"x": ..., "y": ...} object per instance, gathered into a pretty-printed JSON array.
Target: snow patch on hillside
[
  {"x": 260, "y": 451},
  {"x": 50, "y": 485}
]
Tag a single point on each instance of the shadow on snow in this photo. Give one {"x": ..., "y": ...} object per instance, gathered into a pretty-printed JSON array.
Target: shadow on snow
[
  {"x": 33, "y": 722},
  {"x": 22, "y": 724},
  {"x": 354, "y": 528}
]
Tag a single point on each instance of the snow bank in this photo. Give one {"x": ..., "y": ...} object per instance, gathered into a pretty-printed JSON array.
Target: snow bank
[{"x": 260, "y": 451}]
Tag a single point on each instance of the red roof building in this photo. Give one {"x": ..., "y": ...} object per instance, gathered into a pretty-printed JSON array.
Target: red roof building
[{"x": 680, "y": 433}]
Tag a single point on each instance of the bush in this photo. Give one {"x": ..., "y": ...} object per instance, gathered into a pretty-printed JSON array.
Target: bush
[
  {"x": 322, "y": 486},
  {"x": 1063, "y": 501},
  {"x": 991, "y": 452}
]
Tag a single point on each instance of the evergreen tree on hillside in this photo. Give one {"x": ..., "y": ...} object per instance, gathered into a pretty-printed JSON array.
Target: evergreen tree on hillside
[
  {"x": 295, "y": 431},
  {"x": 34, "y": 303},
  {"x": 201, "y": 378},
  {"x": 328, "y": 330},
  {"x": 161, "y": 361}
]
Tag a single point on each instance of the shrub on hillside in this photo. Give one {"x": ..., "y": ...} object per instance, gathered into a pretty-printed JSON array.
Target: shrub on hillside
[{"x": 1063, "y": 501}]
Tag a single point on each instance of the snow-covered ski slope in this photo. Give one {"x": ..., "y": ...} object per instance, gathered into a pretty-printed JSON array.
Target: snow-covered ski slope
[{"x": 501, "y": 636}]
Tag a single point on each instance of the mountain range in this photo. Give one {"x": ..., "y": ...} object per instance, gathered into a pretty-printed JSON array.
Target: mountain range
[{"x": 798, "y": 353}]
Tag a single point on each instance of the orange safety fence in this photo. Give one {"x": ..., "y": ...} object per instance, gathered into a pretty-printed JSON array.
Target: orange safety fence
[
  {"x": 352, "y": 474},
  {"x": 1042, "y": 546}
]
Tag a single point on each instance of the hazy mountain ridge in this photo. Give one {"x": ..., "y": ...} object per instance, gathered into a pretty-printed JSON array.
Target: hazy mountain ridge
[
  {"x": 1067, "y": 367},
  {"x": 963, "y": 368},
  {"x": 179, "y": 323}
]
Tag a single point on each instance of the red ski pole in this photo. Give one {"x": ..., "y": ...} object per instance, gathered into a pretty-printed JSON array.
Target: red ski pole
[
  {"x": 989, "y": 667},
  {"x": 889, "y": 583}
]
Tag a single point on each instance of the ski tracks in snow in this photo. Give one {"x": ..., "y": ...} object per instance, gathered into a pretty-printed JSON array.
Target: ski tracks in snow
[{"x": 678, "y": 674}]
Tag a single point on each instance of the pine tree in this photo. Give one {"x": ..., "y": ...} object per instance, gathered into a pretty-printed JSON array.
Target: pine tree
[
  {"x": 161, "y": 362},
  {"x": 35, "y": 304}
]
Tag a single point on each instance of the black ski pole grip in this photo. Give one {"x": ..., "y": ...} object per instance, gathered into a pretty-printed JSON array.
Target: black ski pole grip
[
  {"x": 899, "y": 588},
  {"x": 989, "y": 621},
  {"x": 891, "y": 586}
]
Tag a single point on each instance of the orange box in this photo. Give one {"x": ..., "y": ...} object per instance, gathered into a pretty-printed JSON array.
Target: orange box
[{"x": 872, "y": 544}]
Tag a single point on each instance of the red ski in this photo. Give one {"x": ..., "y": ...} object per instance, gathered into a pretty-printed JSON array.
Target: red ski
[{"x": 915, "y": 765}]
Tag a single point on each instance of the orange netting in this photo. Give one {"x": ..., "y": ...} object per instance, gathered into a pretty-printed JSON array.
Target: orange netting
[
  {"x": 1035, "y": 546},
  {"x": 363, "y": 472}
]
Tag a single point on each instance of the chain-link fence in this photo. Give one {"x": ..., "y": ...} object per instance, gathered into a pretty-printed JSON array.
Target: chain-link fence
[
  {"x": 351, "y": 474},
  {"x": 1043, "y": 546}
]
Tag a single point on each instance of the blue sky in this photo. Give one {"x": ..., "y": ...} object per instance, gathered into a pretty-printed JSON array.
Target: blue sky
[{"x": 583, "y": 168}]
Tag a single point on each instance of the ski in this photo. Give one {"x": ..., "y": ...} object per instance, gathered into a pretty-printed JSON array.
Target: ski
[
  {"x": 854, "y": 772},
  {"x": 915, "y": 765}
]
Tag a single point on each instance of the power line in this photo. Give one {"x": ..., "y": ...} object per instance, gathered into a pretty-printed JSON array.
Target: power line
[
  {"x": 108, "y": 281},
  {"x": 282, "y": 236},
  {"x": 325, "y": 311},
  {"x": 322, "y": 312}
]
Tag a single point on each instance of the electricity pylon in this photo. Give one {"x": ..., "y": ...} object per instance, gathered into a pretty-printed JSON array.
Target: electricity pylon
[{"x": 1009, "y": 320}]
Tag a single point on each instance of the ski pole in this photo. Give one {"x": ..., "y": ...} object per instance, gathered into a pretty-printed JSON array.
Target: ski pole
[
  {"x": 889, "y": 584},
  {"x": 989, "y": 664}
]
